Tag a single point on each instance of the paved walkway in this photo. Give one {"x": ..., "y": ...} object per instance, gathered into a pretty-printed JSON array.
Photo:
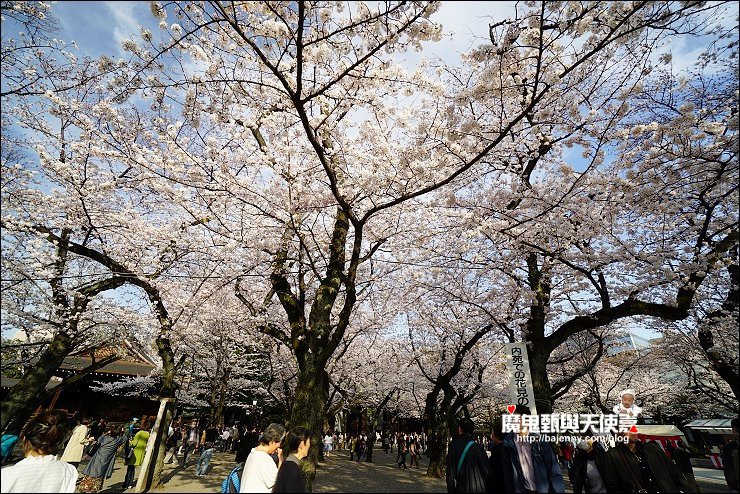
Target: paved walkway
[
  {"x": 339, "y": 474},
  {"x": 336, "y": 474}
]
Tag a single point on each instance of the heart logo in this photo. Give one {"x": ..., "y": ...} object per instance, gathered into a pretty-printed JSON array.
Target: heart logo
[
  {"x": 511, "y": 408},
  {"x": 633, "y": 428}
]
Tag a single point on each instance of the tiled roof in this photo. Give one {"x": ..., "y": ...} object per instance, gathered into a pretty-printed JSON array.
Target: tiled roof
[
  {"x": 122, "y": 366},
  {"x": 9, "y": 382}
]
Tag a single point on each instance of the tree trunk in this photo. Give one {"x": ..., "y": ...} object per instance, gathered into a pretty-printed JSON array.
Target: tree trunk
[
  {"x": 24, "y": 397},
  {"x": 437, "y": 435},
  {"x": 312, "y": 392},
  {"x": 540, "y": 380},
  {"x": 436, "y": 427},
  {"x": 218, "y": 419}
]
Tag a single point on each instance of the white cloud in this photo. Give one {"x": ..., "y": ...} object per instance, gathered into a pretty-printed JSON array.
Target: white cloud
[
  {"x": 465, "y": 26},
  {"x": 127, "y": 17}
]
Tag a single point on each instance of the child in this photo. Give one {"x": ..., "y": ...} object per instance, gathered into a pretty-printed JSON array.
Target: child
[
  {"x": 627, "y": 405},
  {"x": 205, "y": 459}
]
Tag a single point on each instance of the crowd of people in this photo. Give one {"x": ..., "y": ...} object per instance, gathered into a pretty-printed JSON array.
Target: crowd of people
[
  {"x": 269, "y": 460},
  {"x": 52, "y": 432},
  {"x": 408, "y": 446},
  {"x": 521, "y": 462}
]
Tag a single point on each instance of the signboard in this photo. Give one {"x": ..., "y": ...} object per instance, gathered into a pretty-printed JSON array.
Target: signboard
[{"x": 521, "y": 391}]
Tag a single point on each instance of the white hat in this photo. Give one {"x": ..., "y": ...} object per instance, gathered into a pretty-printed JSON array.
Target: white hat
[{"x": 627, "y": 391}]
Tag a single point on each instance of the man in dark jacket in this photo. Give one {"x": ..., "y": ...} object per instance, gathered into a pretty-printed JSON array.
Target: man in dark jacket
[
  {"x": 638, "y": 466},
  {"x": 681, "y": 456},
  {"x": 468, "y": 467},
  {"x": 496, "y": 478},
  {"x": 530, "y": 465},
  {"x": 588, "y": 472},
  {"x": 730, "y": 457}
]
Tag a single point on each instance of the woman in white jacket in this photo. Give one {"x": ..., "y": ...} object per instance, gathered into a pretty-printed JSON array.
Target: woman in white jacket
[
  {"x": 76, "y": 445},
  {"x": 41, "y": 470}
]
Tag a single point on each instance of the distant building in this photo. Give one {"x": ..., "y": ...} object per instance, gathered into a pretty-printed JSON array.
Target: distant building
[
  {"x": 79, "y": 398},
  {"x": 627, "y": 343}
]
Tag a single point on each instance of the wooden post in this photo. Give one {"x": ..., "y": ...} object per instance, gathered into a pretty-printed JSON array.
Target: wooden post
[
  {"x": 152, "y": 453},
  {"x": 54, "y": 400}
]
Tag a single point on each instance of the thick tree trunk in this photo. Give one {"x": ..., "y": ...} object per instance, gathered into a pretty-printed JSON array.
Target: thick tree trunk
[
  {"x": 218, "y": 419},
  {"x": 540, "y": 380},
  {"x": 312, "y": 392},
  {"x": 25, "y": 396},
  {"x": 436, "y": 426},
  {"x": 437, "y": 437}
]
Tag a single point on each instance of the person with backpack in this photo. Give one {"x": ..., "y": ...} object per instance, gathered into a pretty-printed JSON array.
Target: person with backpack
[
  {"x": 468, "y": 468},
  {"x": 260, "y": 472}
]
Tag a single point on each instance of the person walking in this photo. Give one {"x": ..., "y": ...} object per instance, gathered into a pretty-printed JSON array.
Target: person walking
[
  {"x": 244, "y": 446},
  {"x": 682, "y": 458},
  {"x": 40, "y": 470},
  {"x": 641, "y": 467},
  {"x": 234, "y": 438},
  {"x": 171, "y": 444},
  {"x": 729, "y": 456},
  {"x": 76, "y": 444},
  {"x": 328, "y": 443},
  {"x": 225, "y": 435},
  {"x": 352, "y": 444},
  {"x": 414, "y": 452},
  {"x": 296, "y": 444},
  {"x": 529, "y": 464},
  {"x": 495, "y": 462},
  {"x": 204, "y": 460},
  {"x": 468, "y": 467},
  {"x": 102, "y": 461},
  {"x": 587, "y": 473},
  {"x": 136, "y": 454},
  {"x": 359, "y": 447},
  {"x": 209, "y": 435},
  {"x": 260, "y": 472},
  {"x": 191, "y": 441},
  {"x": 402, "y": 453}
]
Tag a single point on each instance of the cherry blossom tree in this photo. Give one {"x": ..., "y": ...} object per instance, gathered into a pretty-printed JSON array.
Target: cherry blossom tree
[{"x": 599, "y": 244}]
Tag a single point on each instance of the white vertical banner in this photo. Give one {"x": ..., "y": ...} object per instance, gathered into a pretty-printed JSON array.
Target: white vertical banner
[{"x": 521, "y": 391}]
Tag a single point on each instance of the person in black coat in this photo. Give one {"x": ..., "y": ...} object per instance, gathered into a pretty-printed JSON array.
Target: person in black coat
[
  {"x": 580, "y": 478},
  {"x": 730, "y": 463},
  {"x": 468, "y": 468},
  {"x": 496, "y": 477},
  {"x": 247, "y": 441},
  {"x": 296, "y": 444},
  {"x": 681, "y": 456},
  {"x": 636, "y": 466}
]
